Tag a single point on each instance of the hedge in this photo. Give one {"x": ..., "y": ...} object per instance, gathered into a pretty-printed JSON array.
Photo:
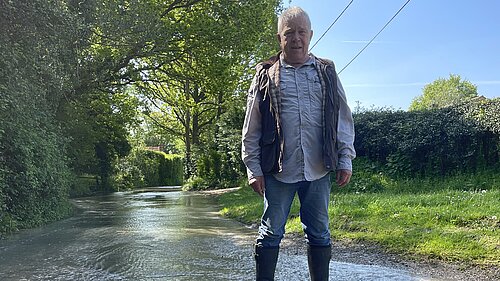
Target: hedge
[
  {"x": 148, "y": 168},
  {"x": 464, "y": 137}
]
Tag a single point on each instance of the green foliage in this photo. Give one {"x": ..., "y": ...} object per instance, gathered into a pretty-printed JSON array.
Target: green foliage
[
  {"x": 367, "y": 177},
  {"x": 143, "y": 168},
  {"x": 84, "y": 185},
  {"x": 36, "y": 72},
  {"x": 219, "y": 162},
  {"x": 372, "y": 177},
  {"x": 189, "y": 96},
  {"x": 431, "y": 143},
  {"x": 97, "y": 124},
  {"x": 444, "y": 92},
  {"x": 484, "y": 113},
  {"x": 170, "y": 170}
]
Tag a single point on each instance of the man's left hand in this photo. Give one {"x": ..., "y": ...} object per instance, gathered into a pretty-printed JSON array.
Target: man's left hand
[{"x": 343, "y": 177}]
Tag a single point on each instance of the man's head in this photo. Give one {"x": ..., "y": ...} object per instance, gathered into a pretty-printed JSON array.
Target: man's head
[{"x": 294, "y": 35}]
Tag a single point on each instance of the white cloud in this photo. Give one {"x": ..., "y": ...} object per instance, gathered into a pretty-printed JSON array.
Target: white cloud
[{"x": 411, "y": 84}]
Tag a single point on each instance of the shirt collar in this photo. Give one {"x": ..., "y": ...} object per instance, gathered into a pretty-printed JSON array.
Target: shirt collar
[{"x": 310, "y": 61}]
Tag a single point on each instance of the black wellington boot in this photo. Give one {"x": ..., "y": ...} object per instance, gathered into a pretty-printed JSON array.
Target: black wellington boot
[
  {"x": 318, "y": 258},
  {"x": 265, "y": 261}
]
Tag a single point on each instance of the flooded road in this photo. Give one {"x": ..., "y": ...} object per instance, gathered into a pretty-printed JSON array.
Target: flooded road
[{"x": 153, "y": 236}]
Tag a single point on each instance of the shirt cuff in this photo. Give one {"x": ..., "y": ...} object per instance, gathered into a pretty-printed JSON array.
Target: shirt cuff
[
  {"x": 255, "y": 173},
  {"x": 345, "y": 163}
]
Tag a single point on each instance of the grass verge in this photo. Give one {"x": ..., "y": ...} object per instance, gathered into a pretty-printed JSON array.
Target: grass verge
[{"x": 452, "y": 219}]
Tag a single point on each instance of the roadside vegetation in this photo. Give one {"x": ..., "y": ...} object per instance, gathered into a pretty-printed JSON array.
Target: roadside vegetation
[{"x": 455, "y": 218}]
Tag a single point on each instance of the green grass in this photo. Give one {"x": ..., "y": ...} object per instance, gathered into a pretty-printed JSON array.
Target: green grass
[{"x": 452, "y": 219}]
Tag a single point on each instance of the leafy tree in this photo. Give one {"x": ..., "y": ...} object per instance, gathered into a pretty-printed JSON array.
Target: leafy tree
[
  {"x": 37, "y": 71},
  {"x": 189, "y": 95},
  {"x": 97, "y": 124},
  {"x": 444, "y": 92}
]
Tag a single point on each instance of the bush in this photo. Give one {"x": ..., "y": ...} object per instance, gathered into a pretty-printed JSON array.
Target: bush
[
  {"x": 38, "y": 61},
  {"x": 170, "y": 169},
  {"x": 35, "y": 178},
  {"x": 439, "y": 142},
  {"x": 148, "y": 168},
  {"x": 219, "y": 165},
  {"x": 367, "y": 177}
]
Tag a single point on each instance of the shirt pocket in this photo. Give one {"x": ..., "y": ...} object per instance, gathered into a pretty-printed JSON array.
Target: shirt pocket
[{"x": 282, "y": 87}]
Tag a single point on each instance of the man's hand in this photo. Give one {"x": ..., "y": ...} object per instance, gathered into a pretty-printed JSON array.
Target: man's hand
[
  {"x": 343, "y": 177},
  {"x": 258, "y": 185}
]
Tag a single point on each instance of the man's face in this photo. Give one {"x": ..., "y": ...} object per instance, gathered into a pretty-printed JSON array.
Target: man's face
[{"x": 294, "y": 40}]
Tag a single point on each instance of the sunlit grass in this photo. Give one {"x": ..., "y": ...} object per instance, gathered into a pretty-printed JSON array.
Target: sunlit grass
[
  {"x": 243, "y": 204},
  {"x": 449, "y": 225}
]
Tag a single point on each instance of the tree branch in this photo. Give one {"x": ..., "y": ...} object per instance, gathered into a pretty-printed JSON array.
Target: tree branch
[{"x": 176, "y": 5}]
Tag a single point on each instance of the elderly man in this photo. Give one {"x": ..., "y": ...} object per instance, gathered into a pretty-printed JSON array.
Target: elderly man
[{"x": 298, "y": 128}]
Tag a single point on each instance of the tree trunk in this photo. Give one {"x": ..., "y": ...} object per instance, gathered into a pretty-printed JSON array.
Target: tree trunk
[{"x": 187, "y": 135}]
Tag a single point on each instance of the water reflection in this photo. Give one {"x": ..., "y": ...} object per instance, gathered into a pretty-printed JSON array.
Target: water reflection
[{"x": 152, "y": 236}]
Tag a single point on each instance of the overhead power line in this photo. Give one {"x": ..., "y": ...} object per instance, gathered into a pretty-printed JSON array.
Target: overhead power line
[
  {"x": 400, "y": 9},
  {"x": 317, "y": 41}
]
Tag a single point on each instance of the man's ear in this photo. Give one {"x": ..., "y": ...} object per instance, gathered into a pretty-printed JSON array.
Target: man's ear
[
  {"x": 311, "y": 35},
  {"x": 278, "y": 37}
]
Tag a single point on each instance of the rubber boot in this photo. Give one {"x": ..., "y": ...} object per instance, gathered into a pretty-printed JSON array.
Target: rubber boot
[
  {"x": 265, "y": 261},
  {"x": 318, "y": 259}
]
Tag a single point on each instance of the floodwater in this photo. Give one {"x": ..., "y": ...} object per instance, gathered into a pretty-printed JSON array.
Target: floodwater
[{"x": 153, "y": 236}]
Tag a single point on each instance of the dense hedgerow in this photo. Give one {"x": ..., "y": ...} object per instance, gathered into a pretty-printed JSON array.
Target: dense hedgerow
[
  {"x": 36, "y": 70},
  {"x": 460, "y": 138},
  {"x": 143, "y": 168}
]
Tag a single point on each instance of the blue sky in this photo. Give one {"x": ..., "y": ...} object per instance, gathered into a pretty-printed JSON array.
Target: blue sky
[{"x": 429, "y": 39}]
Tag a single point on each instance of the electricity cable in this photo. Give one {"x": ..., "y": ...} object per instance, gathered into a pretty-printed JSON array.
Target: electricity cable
[
  {"x": 400, "y": 9},
  {"x": 317, "y": 41}
]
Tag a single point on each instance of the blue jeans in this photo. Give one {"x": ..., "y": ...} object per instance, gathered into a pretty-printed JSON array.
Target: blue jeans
[{"x": 314, "y": 197}]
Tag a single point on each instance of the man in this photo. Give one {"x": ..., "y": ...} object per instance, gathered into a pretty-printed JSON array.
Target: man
[{"x": 298, "y": 128}]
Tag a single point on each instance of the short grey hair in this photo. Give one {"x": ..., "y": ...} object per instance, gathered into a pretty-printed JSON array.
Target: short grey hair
[{"x": 292, "y": 13}]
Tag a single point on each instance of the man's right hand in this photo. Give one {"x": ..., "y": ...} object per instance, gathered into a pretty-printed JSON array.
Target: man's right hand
[{"x": 258, "y": 184}]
